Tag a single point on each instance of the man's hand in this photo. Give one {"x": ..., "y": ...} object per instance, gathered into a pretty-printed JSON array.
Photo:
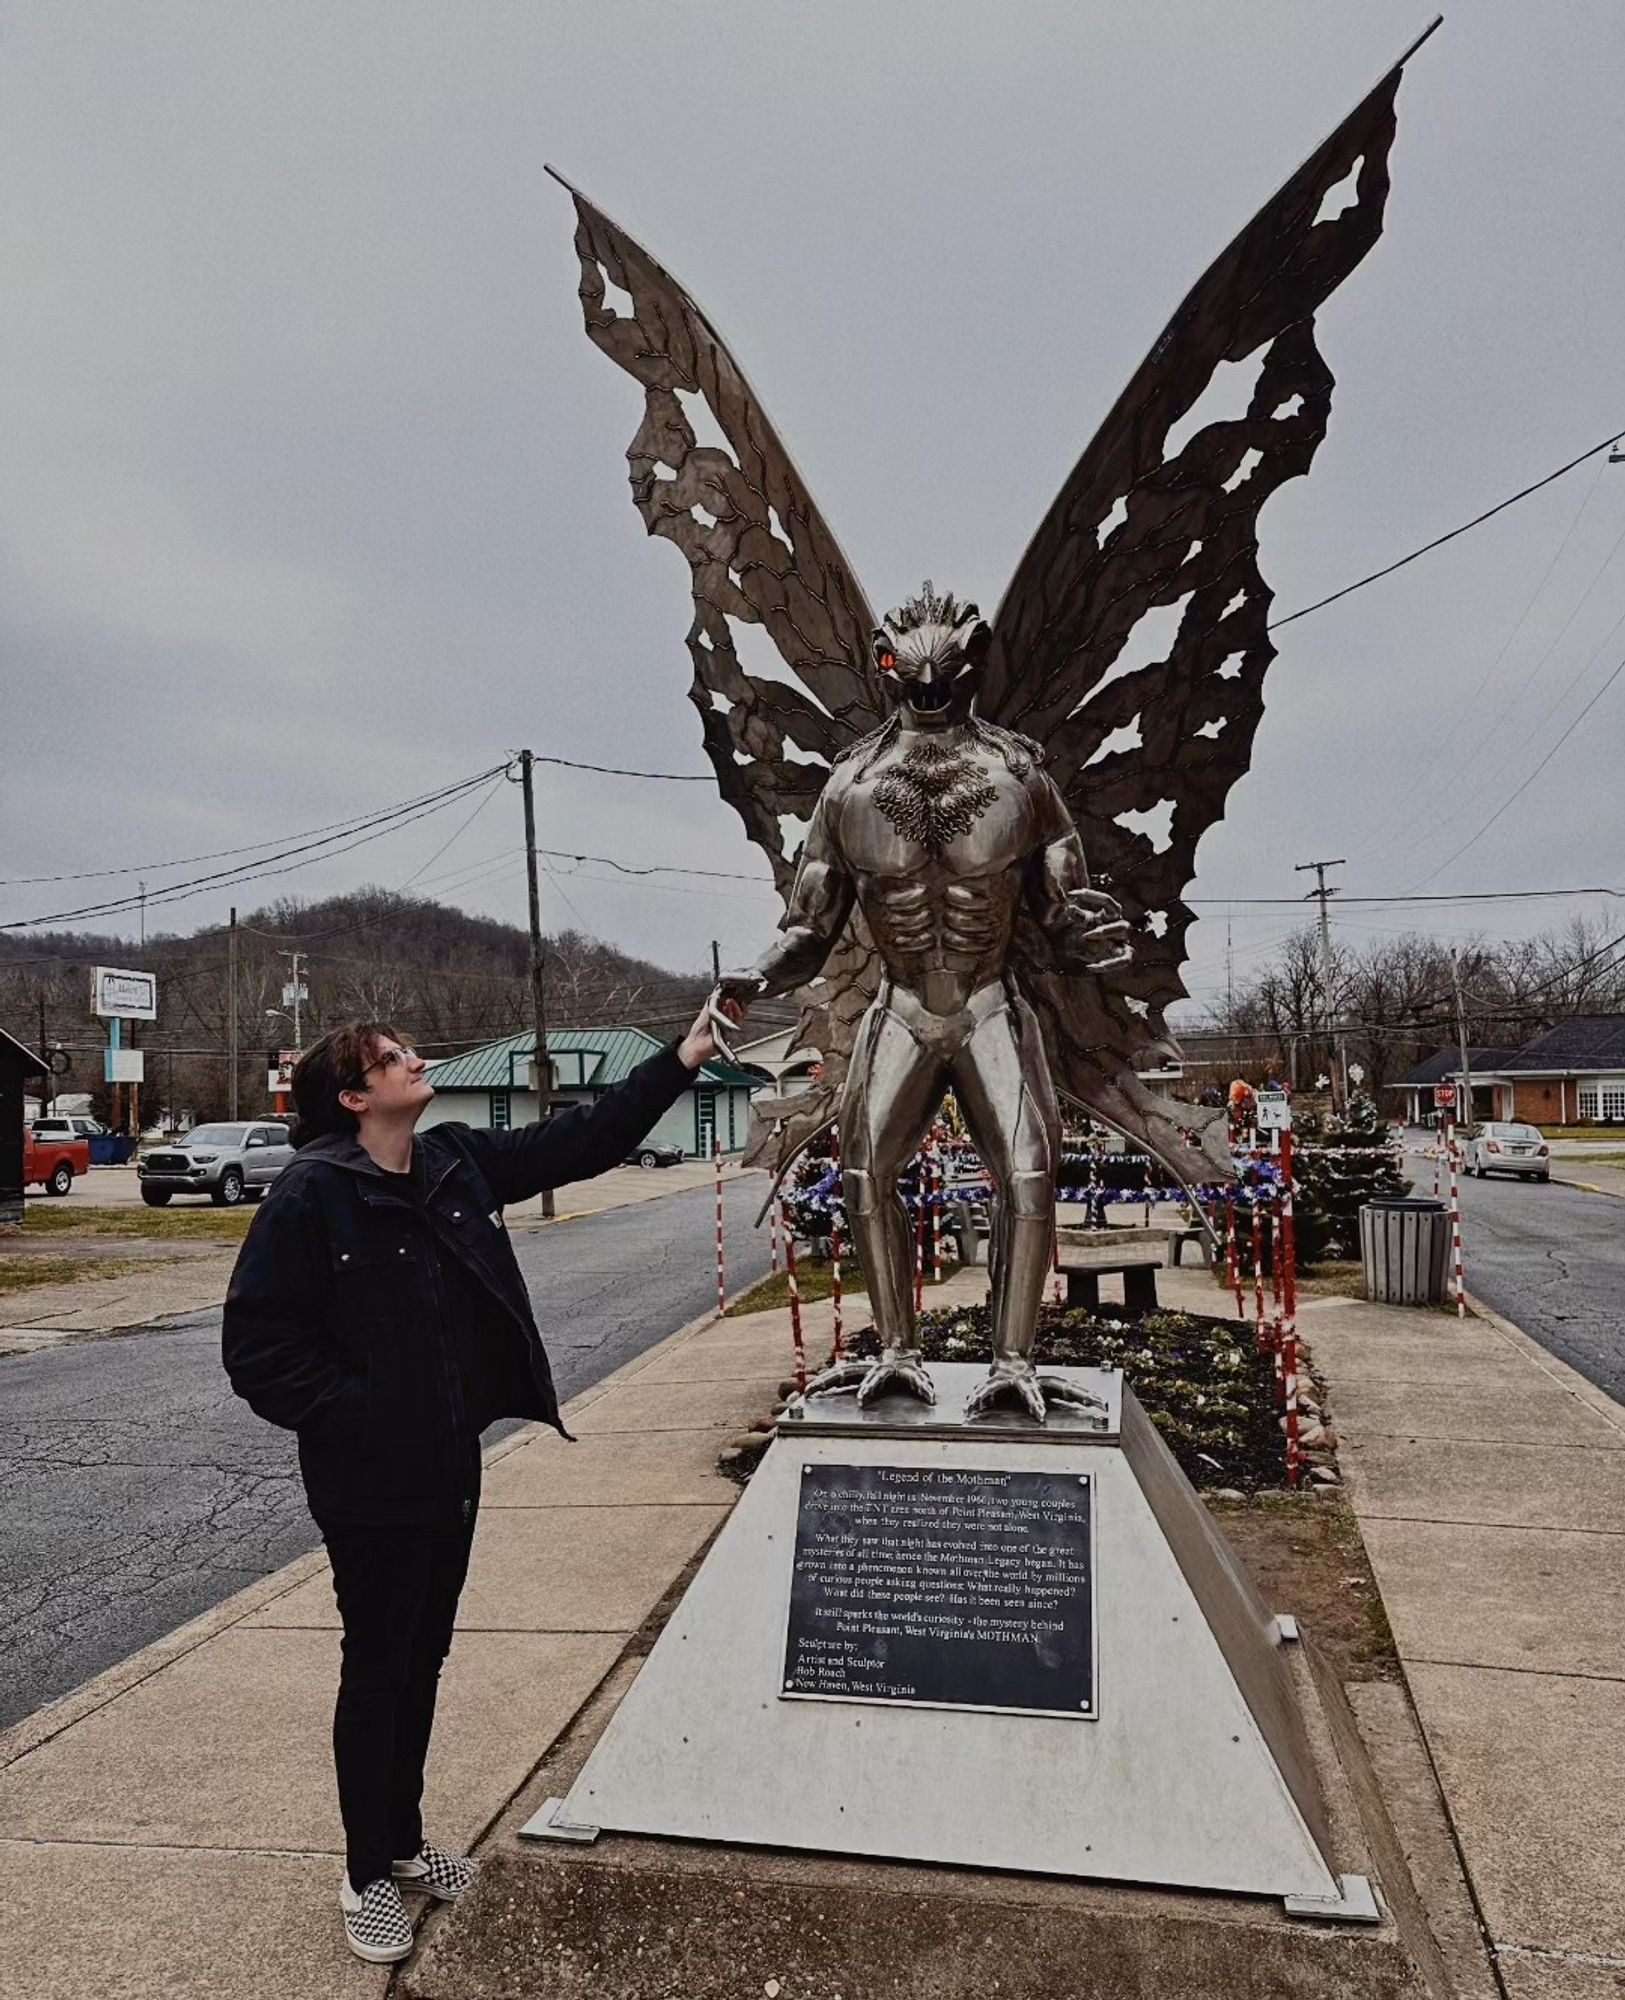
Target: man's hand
[{"x": 700, "y": 1044}]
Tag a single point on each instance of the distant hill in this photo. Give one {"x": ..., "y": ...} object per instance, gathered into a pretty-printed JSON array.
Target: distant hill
[{"x": 445, "y": 979}]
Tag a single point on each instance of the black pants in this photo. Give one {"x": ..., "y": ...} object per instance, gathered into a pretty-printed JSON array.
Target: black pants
[{"x": 397, "y": 1591}]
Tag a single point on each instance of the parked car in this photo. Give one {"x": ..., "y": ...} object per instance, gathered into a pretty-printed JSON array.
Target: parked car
[
  {"x": 1508, "y": 1149},
  {"x": 51, "y": 1160},
  {"x": 51, "y": 1126},
  {"x": 225, "y": 1162},
  {"x": 655, "y": 1153}
]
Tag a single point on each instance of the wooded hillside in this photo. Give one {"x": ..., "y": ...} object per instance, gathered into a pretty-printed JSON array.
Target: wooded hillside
[{"x": 446, "y": 980}]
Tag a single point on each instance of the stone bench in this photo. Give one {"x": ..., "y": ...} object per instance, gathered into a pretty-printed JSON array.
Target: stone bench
[{"x": 1083, "y": 1271}]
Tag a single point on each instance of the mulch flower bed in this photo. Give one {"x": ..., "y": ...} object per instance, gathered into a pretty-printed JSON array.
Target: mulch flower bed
[{"x": 1201, "y": 1382}]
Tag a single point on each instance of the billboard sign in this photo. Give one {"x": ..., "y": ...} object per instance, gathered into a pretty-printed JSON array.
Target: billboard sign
[{"x": 123, "y": 996}]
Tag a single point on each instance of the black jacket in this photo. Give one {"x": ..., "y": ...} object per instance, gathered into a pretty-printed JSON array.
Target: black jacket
[{"x": 354, "y": 1305}]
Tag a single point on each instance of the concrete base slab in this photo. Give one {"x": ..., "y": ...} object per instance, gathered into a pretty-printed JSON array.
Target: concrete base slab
[
  {"x": 127, "y": 1923},
  {"x": 552, "y": 1569},
  {"x": 629, "y": 1919},
  {"x": 644, "y": 1919},
  {"x": 1534, "y": 1768}
]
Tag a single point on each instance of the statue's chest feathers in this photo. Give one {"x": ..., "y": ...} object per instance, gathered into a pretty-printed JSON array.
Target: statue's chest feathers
[{"x": 951, "y": 804}]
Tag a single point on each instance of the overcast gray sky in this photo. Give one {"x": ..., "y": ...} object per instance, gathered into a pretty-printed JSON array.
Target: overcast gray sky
[{"x": 313, "y": 497}]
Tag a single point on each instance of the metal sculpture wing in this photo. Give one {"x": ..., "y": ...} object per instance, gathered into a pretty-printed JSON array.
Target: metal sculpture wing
[
  {"x": 760, "y": 554},
  {"x": 1140, "y": 524}
]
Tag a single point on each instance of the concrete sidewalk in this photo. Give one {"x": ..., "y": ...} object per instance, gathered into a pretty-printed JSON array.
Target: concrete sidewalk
[
  {"x": 171, "y": 1828},
  {"x": 1489, "y": 1483}
]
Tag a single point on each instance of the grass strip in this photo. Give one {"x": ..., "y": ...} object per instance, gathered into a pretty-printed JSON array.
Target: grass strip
[
  {"x": 28, "y": 1274},
  {"x": 160, "y": 1225}
]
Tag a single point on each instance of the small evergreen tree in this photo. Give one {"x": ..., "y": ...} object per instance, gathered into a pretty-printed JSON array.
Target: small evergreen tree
[{"x": 1339, "y": 1164}]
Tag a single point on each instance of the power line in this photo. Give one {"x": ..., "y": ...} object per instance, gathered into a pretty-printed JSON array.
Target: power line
[
  {"x": 1439, "y": 541},
  {"x": 1425, "y": 769},
  {"x": 356, "y": 834},
  {"x": 1512, "y": 797},
  {"x": 615, "y": 771}
]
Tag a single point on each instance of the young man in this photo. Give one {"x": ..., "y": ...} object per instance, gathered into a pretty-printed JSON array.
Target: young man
[{"x": 377, "y": 1310}]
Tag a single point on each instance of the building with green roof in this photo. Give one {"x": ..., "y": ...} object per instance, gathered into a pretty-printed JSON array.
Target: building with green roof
[{"x": 491, "y": 1087}]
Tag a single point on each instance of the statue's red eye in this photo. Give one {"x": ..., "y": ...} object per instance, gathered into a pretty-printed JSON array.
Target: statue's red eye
[{"x": 888, "y": 661}]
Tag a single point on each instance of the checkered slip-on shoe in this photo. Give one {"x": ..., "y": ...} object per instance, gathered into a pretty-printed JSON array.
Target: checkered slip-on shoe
[
  {"x": 435, "y": 1873},
  {"x": 375, "y": 1926}
]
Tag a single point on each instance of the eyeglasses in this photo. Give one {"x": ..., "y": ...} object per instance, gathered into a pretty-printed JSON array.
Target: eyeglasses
[{"x": 388, "y": 1060}]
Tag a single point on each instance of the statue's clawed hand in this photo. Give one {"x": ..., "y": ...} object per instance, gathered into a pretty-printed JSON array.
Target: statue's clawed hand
[{"x": 1099, "y": 930}]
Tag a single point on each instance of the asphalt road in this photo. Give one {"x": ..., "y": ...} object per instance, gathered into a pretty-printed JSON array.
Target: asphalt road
[
  {"x": 1551, "y": 1259},
  {"x": 136, "y": 1491}
]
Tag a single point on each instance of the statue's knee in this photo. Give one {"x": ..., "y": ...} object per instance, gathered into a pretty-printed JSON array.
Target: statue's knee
[
  {"x": 1030, "y": 1196},
  {"x": 858, "y": 1191}
]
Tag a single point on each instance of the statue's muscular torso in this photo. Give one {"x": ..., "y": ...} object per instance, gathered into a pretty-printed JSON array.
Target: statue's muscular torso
[{"x": 936, "y": 835}]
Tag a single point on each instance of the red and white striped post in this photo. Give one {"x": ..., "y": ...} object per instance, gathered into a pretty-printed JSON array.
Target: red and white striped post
[
  {"x": 1232, "y": 1263},
  {"x": 1455, "y": 1220},
  {"x": 837, "y": 1345},
  {"x": 920, "y": 1171},
  {"x": 773, "y": 1234},
  {"x": 1258, "y": 1273},
  {"x": 722, "y": 1282},
  {"x": 937, "y": 1184},
  {"x": 1289, "y": 1313},
  {"x": 796, "y": 1340}
]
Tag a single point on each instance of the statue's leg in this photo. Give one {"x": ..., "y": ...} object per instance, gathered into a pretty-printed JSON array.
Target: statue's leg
[
  {"x": 893, "y": 1085},
  {"x": 1002, "y": 1081}
]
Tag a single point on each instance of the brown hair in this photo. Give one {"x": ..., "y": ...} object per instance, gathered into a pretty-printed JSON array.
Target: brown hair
[{"x": 337, "y": 1062}]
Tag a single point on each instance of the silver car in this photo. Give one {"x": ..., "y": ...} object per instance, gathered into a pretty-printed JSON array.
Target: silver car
[
  {"x": 225, "y": 1162},
  {"x": 1508, "y": 1149}
]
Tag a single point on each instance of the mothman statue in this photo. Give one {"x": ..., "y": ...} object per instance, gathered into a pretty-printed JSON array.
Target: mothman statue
[{"x": 941, "y": 924}]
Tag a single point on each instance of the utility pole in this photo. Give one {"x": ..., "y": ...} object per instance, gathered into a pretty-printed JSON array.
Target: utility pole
[
  {"x": 1320, "y": 893},
  {"x": 1461, "y": 1036},
  {"x": 538, "y": 976},
  {"x": 47, "y": 1090},
  {"x": 716, "y": 963},
  {"x": 296, "y": 991},
  {"x": 1229, "y": 975},
  {"x": 231, "y": 1017}
]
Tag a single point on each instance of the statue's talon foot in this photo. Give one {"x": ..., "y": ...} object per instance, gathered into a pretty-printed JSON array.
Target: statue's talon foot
[
  {"x": 894, "y": 1372},
  {"x": 1059, "y": 1390},
  {"x": 1007, "y": 1386},
  {"x": 842, "y": 1376},
  {"x": 875, "y": 1378}
]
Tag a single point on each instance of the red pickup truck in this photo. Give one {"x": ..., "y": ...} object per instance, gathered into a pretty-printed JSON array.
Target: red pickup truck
[{"x": 53, "y": 1162}]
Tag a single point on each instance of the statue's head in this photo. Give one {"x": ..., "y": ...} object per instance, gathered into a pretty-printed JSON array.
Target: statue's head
[{"x": 931, "y": 651}]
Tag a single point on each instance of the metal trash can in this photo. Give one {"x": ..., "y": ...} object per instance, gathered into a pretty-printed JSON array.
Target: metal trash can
[{"x": 1405, "y": 1249}]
